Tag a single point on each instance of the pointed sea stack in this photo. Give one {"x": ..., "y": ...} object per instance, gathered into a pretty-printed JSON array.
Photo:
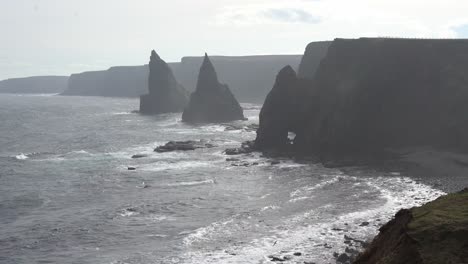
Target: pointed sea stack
[
  {"x": 282, "y": 112},
  {"x": 212, "y": 102},
  {"x": 165, "y": 94}
]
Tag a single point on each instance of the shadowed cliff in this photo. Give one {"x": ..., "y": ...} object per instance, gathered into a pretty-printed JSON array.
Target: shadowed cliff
[
  {"x": 212, "y": 101},
  {"x": 165, "y": 94},
  {"x": 369, "y": 95}
]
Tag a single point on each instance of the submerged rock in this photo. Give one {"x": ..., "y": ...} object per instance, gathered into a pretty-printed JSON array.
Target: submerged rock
[
  {"x": 212, "y": 102},
  {"x": 433, "y": 233},
  {"x": 246, "y": 147},
  {"x": 183, "y": 146},
  {"x": 165, "y": 94}
]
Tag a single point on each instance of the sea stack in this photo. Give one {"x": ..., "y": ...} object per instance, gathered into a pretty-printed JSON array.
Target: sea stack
[
  {"x": 282, "y": 112},
  {"x": 212, "y": 102},
  {"x": 165, "y": 94}
]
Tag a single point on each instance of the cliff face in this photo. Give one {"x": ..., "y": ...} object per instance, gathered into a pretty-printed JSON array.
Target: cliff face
[
  {"x": 313, "y": 55},
  {"x": 165, "y": 94},
  {"x": 38, "y": 84},
  {"x": 372, "y": 94},
  {"x": 434, "y": 233},
  {"x": 212, "y": 101}
]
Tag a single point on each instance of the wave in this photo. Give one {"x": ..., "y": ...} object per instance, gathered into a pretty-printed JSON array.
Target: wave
[
  {"x": 318, "y": 228},
  {"x": 175, "y": 165},
  {"x": 192, "y": 183},
  {"x": 23, "y": 156}
]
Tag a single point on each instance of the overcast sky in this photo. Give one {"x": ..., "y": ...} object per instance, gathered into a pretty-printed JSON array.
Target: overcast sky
[{"x": 60, "y": 37}]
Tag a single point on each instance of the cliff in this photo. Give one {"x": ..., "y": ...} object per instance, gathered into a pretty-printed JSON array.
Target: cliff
[
  {"x": 370, "y": 95},
  {"x": 212, "y": 101},
  {"x": 165, "y": 94},
  {"x": 37, "y": 85},
  {"x": 434, "y": 233}
]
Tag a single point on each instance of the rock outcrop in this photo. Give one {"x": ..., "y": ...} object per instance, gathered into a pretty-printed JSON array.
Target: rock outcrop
[
  {"x": 165, "y": 94},
  {"x": 369, "y": 95},
  {"x": 183, "y": 146},
  {"x": 212, "y": 102},
  {"x": 282, "y": 112},
  {"x": 434, "y": 233}
]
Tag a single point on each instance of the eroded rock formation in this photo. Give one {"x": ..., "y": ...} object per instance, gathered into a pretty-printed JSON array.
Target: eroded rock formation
[
  {"x": 282, "y": 112},
  {"x": 165, "y": 94},
  {"x": 212, "y": 102}
]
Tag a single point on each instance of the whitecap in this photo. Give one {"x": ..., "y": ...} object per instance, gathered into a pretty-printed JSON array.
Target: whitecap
[
  {"x": 21, "y": 156},
  {"x": 191, "y": 183}
]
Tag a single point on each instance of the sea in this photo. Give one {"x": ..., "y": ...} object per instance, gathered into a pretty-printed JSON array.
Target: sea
[{"x": 67, "y": 194}]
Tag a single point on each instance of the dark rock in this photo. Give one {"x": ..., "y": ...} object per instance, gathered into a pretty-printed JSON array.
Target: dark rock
[
  {"x": 183, "y": 146},
  {"x": 131, "y": 168},
  {"x": 364, "y": 224},
  {"x": 212, "y": 102},
  {"x": 343, "y": 258},
  {"x": 297, "y": 254},
  {"x": 275, "y": 162},
  {"x": 165, "y": 94},
  {"x": 138, "y": 156},
  {"x": 277, "y": 259},
  {"x": 232, "y": 159}
]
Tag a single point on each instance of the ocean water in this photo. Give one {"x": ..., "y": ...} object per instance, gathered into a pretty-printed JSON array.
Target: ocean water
[{"x": 67, "y": 196}]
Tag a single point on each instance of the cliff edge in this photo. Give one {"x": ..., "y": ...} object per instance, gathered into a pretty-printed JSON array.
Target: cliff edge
[{"x": 433, "y": 233}]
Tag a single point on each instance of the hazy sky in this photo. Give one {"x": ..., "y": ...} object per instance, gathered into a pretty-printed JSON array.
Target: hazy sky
[{"x": 44, "y": 37}]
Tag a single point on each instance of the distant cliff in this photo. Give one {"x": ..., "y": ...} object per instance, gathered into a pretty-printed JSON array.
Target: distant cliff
[
  {"x": 249, "y": 77},
  {"x": 38, "y": 84},
  {"x": 124, "y": 81},
  {"x": 369, "y": 95}
]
